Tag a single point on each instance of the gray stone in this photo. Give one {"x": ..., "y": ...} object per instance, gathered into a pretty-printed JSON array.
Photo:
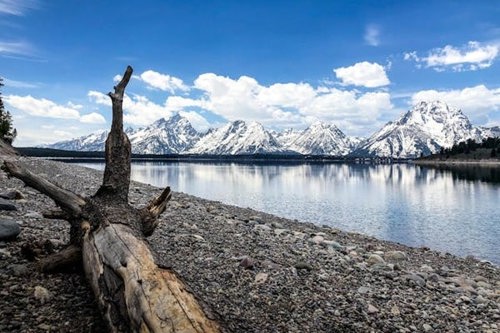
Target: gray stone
[
  {"x": 375, "y": 259},
  {"x": 42, "y": 294},
  {"x": 19, "y": 270},
  {"x": 9, "y": 229},
  {"x": 33, "y": 215},
  {"x": 427, "y": 327},
  {"x": 395, "y": 256},
  {"x": 303, "y": 265},
  {"x": 11, "y": 195},
  {"x": 418, "y": 280},
  {"x": 372, "y": 309},
  {"x": 363, "y": 290},
  {"x": 5, "y": 205}
]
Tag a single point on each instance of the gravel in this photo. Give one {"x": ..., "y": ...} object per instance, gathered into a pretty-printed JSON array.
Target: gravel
[{"x": 255, "y": 271}]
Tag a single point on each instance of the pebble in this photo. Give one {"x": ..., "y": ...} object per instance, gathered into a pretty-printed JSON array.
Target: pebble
[
  {"x": 375, "y": 259},
  {"x": 247, "y": 263},
  {"x": 372, "y": 309},
  {"x": 11, "y": 194},
  {"x": 395, "y": 256},
  {"x": 6, "y": 205},
  {"x": 318, "y": 239},
  {"x": 19, "y": 270},
  {"x": 261, "y": 278},
  {"x": 9, "y": 229},
  {"x": 426, "y": 327},
  {"x": 42, "y": 294}
]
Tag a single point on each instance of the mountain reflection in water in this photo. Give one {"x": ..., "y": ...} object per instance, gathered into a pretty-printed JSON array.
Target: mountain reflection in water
[{"x": 453, "y": 209}]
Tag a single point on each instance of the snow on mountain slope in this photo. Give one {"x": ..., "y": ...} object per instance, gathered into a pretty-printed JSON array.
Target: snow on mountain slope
[
  {"x": 423, "y": 129},
  {"x": 91, "y": 142},
  {"x": 489, "y": 132},
  {"x": 236, "y": 138},
  {"x": 286, "y": 136},
  {"x": 321, "y": 139},
  {"x": 165, "y": 136}
]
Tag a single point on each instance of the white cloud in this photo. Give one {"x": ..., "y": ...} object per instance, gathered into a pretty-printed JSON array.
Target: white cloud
[
  {"x": 366, "y": 74},
  {"x": 198, "y": 121},
  {"x": 41, "y": 107},
  {"x": 63, "y": 134},
  {"x": 473, "y": 56},
  {"x": 476, "y": 102},
  {"x": 17, "y": 7},
  {"x": 48, "y": 109},
  {"x": 15, "y": 48},
  {"x": 93, "y": 118},
  {"x": 163, "y": 82},
  {"x": 372, "y": 35},
  {"x": 99, "y": 98}
]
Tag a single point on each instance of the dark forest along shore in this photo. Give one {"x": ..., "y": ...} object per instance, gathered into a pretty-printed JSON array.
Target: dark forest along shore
[{"x": 447, "y": 209}]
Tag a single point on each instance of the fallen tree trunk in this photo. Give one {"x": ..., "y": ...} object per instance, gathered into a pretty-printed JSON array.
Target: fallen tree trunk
[{"x": 108, "y": 236}]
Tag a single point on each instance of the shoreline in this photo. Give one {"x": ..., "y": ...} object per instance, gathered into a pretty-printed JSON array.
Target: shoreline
[
  {"x": 302, "y": 278},
  {"x": 486, "y": 163}
]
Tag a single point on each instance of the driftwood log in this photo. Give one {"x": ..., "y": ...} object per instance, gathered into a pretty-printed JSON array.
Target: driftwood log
[{"x": 108, "y": 236}]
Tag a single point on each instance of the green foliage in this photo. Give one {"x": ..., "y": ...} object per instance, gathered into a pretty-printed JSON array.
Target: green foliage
[{"x": 7, "y": 132}]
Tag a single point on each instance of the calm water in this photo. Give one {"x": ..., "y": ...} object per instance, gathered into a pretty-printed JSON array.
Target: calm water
[{"x": 455, "y": 211}]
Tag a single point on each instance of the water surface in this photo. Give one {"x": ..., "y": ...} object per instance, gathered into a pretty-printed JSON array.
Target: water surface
[{"x": 447, "y": 210}]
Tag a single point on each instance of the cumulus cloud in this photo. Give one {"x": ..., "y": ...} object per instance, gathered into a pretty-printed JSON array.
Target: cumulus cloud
[
  {"x": 366, "y": 74},
  {"x": 478, "y": 102},
  {"x": 288, "y": 104},
  {"x": 473, "y": 56},
  {"x": 372, "y": 35},
  {"x": 93, "y": 118},
  {"x": 41, "y": 107},
  {"x": 99, "y": 98},
  {"x": 163, "y": 82},
  {"x": 140, "y": 110}
]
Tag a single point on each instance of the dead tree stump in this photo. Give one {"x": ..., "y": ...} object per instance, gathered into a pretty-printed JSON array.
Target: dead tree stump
[{"x": 107, "y": 236}]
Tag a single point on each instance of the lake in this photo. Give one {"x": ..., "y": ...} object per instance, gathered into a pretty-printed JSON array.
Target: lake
[{"x": 450, "y": 210}]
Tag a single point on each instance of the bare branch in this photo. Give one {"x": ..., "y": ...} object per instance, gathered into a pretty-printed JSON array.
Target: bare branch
[
  {"x": 65, "y": 199},
  {"x": 56, "y": 214},
  {"x": 67, "y": 258},
  {"x": 152, "y": 211}
]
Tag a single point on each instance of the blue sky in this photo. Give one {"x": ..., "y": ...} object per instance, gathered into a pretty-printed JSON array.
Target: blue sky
[{"x": 357, "y": 64}]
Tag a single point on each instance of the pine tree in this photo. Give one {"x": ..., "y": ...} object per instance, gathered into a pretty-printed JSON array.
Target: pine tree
[{"x": 7, "y": 132}]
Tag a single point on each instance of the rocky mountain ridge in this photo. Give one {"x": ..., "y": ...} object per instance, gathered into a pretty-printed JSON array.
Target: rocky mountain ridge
[{"x": 424, "y": 129}]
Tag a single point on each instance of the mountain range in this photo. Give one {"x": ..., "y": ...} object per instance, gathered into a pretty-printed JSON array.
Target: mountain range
[{"x": 424, "y": 129}]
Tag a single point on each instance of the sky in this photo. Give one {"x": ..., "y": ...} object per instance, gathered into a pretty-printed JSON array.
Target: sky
[{"x": 285, "y": 64}]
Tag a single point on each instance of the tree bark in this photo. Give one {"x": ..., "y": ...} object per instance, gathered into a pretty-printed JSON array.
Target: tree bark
[{"x": 108, "y": 236}]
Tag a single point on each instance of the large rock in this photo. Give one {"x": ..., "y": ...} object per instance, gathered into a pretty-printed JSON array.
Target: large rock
[
  {"x": 5, "y": 205},
  {"x": 8, "y": 229}
]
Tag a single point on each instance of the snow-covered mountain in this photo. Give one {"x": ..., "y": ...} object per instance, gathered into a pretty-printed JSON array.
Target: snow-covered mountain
[
  {"x": 236, "y": 138},
  {"x": 425, "y": 128},
  {"x": 321, "y": 139},
  {"x": 165, "y": 136}
]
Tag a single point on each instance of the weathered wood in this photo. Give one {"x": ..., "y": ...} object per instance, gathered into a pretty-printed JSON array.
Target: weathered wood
[
  {"x": 68, "y": 201},
  {"x": 118, "y": 150},
  {"x": 132, "y": 291},
  {"x": 67, "y": 258},
  {"x": 106, "y": 234},
  {"x": 56, "y": 214},
  {"x": 152, "y": 211}
]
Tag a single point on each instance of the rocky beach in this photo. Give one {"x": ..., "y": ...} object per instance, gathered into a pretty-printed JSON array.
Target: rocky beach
[{"x": 255, "y": 272}]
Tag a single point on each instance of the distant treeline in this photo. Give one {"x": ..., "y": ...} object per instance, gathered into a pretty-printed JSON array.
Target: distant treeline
[
  {"x": 469, "y": 146},
  {"x": 487, "y": 149},
  {"x": 93, "y": 155}
]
